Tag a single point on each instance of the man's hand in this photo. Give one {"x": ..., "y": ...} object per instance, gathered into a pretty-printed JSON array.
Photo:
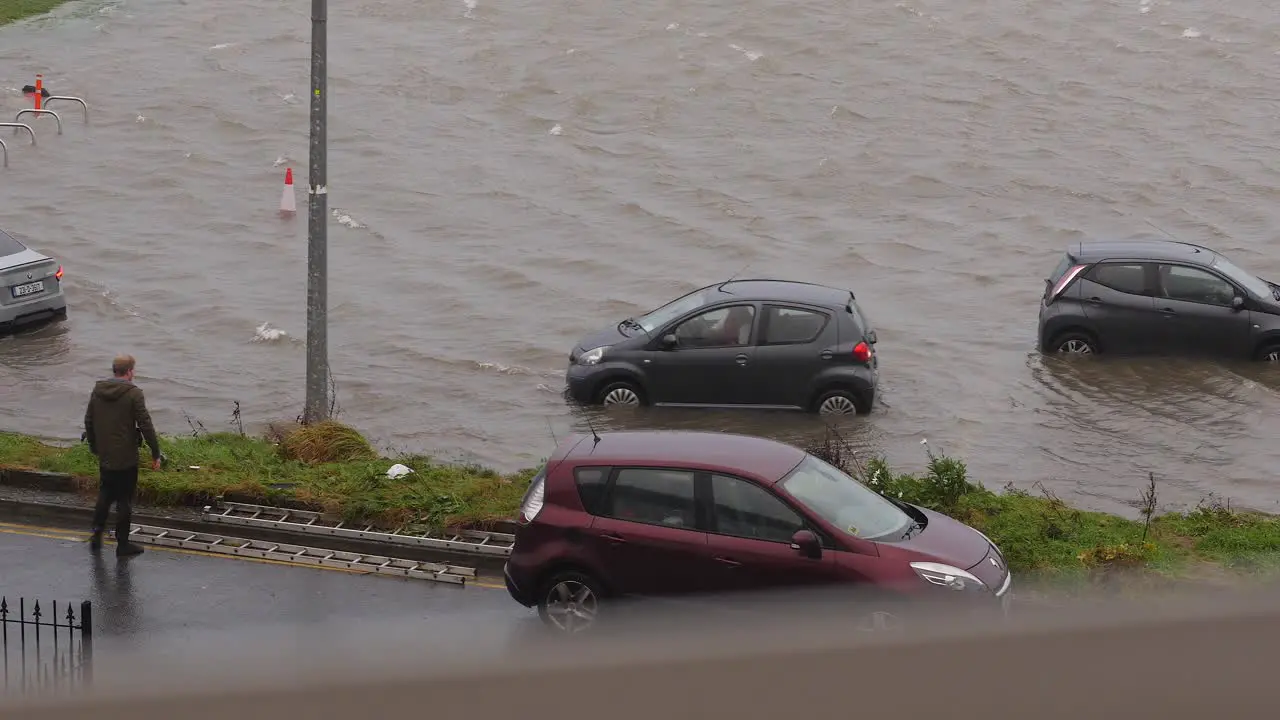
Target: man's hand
[{"x": 155, "y": 464}]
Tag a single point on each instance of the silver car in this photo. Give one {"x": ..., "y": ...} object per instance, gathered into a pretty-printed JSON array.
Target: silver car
[{"x": 30, "y": 285}]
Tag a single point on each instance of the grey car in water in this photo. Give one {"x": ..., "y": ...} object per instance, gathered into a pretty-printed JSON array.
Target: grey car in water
[
  {"x": 1155, "y": 296},
  {"x": 774, "y": 344},
  {"x": 30, "y": 285}
]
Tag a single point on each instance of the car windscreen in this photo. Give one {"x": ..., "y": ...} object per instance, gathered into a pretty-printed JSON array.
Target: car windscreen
[
  {"x": 1251, "y": 282},
  {"x": 655, "y": 319},
  {"x": 844, "y": 502},
  {"x": 8, "y": 245}
]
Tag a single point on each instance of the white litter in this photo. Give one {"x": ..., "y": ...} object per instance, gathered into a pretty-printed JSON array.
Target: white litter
[{"x": 398, "y": 470}]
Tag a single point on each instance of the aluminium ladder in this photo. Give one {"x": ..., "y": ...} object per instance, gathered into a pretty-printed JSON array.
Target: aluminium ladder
[
  {"x": 240, "y": 547},
  {"x": 472, "y": 542}
]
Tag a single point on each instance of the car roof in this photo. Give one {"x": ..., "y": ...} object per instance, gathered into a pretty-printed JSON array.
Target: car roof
[
  {"x": 761, "y": 458},
  {"x": 792, "y": 290},
  {"x": 1143, "y": 248}
]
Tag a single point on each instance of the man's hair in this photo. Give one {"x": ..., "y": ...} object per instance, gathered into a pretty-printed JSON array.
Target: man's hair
[{"x": 122, "y": 365}]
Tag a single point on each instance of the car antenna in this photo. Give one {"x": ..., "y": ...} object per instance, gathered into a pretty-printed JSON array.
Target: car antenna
[
  {"x": 1175, "y": 238},
  {"x": 732, "y": 277},
  {"x": 551, "y": 430},
  {"x": 595, "y": 436}
]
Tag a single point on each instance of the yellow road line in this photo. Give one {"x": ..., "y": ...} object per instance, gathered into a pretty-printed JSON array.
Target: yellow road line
[{"x": 64, "y": 534}]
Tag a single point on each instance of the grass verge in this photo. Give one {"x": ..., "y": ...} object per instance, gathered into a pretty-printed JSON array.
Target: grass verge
[
  {"x": 1043, "y": 538},
  {"x": 15, "y": 10},
  {"x": 327, "y": 466},
  {"x": 331, "y": 467}
]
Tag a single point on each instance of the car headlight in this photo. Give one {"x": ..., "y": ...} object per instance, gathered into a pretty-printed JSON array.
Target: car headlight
[
  {"x": 591, "y": 357},
  {"x": 947, "y": 576}
]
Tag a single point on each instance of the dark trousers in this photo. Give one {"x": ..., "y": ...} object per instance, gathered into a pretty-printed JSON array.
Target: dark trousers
[{"x": 115, "y": 487}]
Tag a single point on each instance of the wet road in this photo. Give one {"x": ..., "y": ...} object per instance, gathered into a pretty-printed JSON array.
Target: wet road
[
  {"x": 508, "y": 176},
  {"x": 164, "y": 600}
]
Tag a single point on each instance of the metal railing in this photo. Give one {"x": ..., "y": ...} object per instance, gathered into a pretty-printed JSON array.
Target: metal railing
[
  {"x": 68, "y": 98},
  {"x": 40, "y": 651},
  {"x": 21, "y": 126},
  {"x": 33, "y": 111}
]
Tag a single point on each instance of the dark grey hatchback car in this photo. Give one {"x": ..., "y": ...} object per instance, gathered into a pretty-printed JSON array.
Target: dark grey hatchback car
[
  {"x": 745, "y": 343},
  {"x": 1154, "y": 296}
]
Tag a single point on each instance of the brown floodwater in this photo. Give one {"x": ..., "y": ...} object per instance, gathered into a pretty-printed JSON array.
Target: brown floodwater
[{"x": 507, "y": 176}]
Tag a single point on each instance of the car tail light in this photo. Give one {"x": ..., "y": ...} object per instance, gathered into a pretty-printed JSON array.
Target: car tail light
[
  {"x": 58, "y": 275},
  {"x": 533, "y": 499},
  {"x": 1063, "y": 282},
  {"x": 862, "y": 352}
]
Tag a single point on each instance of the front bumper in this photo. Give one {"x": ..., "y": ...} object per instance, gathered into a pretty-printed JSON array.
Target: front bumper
[{"x": 580, "y": 383}]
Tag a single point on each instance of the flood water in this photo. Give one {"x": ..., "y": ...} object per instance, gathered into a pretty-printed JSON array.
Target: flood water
[{"x": 507, "y": 176}]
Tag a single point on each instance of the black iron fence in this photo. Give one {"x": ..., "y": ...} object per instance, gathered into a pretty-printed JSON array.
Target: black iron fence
[{"x": 45, "y": 648}]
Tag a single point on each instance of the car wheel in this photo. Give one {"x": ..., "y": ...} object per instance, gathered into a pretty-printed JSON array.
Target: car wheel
[
  {"x": 569, "y": 602},
  {"x": 839, "y": 402},
  {"x": 1075, "y": 343},
  {"x": 621, "y": 394},
  {"x": 1270, "y": 353}
]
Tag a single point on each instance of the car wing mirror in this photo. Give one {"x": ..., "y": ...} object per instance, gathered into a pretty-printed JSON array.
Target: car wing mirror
[
  {"x": 1237, "y": 303},
  {"x": 669, "y": 342},
  {"x": 806, "y": 543}
]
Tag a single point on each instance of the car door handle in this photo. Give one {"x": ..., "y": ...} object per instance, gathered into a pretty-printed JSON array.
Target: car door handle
[
  {"x": 1167, "y": 312},
  {"x": 727, "y": 561},
  {"x": 615, "y": 539},
  {"x": 826, "y": 355},
  {"x": 1095, "y": 300},
  {"x": 741, "y": 359}
]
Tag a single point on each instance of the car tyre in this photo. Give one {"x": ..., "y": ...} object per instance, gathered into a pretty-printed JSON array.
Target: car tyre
[
  {"x": 1270, "y": 353},
  {"x": 569, "y": 602},
  {"x": 1074, "y": 342},
  {"x": 838, "y": 401},
  {"x": 621, "y": 394}
]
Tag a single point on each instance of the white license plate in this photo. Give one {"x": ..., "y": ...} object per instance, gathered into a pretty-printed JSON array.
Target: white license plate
[{"x": 28, "y": 289}]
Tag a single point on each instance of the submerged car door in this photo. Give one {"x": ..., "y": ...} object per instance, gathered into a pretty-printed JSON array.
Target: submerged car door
[
  {"x": 750, "y": 540},
  {"x": 711, "y": 360},
  {"x": 794, "y": 346},
  {"x": 646, "y": 533},
  {"x": 1117, "y": 300},
  {"x": 1198, "y": 316}
]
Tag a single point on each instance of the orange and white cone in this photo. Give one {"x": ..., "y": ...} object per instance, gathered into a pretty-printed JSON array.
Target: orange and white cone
[{"x": 288, "y": 203}]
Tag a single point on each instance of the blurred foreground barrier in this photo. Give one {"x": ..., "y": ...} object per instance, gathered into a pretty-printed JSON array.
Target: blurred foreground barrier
[{"x": 1192, "y": 661}]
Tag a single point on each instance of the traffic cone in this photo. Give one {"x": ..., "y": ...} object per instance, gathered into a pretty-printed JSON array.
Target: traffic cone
[{"x": 288, "y": 204}]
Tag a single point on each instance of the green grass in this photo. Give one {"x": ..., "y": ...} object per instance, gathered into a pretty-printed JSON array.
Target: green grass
[
  {"x": 14, "y": 10},
  {"x": 1042, "y": 537},
  {"x": 202, "y": 468}
]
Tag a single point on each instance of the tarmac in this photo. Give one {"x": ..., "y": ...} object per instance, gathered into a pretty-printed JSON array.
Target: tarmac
[{"x": 163, "y": 600}]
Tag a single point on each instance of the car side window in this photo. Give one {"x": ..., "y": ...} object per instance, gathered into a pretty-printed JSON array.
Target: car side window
[
  {"x": 744, "y": 509},
  {"x": 789, "y": 325},
  {"x": 1179, "y": 282},
  {"x": 654, "y": 496},
  {"x": 722, "y": 327},
  {"x": 591, "y": 483},
  {"x": 1122, "y": 277}
]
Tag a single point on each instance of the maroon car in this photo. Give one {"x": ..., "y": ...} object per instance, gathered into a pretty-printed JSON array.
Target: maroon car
[{"x": 677, "y": 512}]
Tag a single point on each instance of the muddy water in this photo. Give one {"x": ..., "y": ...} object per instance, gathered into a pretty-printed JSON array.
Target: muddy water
[{"x": 507, "y": 176}]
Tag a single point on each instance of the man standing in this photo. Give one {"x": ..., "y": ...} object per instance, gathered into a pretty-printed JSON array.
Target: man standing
[{"x": 115, "y": 424}]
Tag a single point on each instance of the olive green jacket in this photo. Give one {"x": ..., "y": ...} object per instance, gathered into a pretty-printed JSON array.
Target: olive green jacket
[{"x": 116, "y": 422}]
